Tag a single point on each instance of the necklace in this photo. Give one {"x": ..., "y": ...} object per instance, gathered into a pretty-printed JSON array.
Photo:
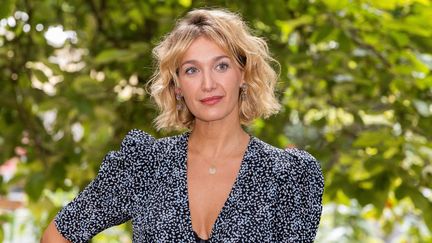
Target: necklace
[{"x": 212, "y": 170}]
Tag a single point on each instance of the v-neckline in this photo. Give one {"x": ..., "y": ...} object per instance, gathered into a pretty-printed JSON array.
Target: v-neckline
[{"x": 185, "y": 146}]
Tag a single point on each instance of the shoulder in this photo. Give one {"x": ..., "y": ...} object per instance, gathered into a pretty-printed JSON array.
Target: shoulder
[
  {"x": 290, "y": 164},
  {"x": 138, "y": 142},
  {"x": 136, "y": 139}
]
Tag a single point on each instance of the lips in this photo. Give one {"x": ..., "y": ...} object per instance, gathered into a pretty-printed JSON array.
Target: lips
[{"x": 211, "y": 100}]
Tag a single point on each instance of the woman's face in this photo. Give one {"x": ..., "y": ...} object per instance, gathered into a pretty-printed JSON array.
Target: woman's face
[{"x": 210, "y": 81}]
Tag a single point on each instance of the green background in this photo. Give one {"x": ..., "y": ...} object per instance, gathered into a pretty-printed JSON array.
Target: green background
[{"x": 355, "y": 84}]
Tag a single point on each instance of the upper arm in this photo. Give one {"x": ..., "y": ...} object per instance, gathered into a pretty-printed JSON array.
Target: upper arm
[
  {"x": 108, "y": 200},
  {"x": 300, "y": 199}
]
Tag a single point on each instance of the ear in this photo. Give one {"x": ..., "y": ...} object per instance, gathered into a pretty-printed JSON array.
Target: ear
[
  {"x": 242, "y": 82},
  {"x": 177, "y": 90}
]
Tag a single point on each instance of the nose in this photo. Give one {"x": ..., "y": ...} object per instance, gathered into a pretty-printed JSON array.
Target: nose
[{"x": 208, "y": 83}]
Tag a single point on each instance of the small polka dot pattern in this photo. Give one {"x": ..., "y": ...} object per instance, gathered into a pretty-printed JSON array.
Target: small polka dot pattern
[{"x": 276, "y": 196}]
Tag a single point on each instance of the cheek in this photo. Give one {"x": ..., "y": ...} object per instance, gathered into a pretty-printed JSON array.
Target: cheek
[
  {"x": 189, "y": 92},
  {"x": 232, "y": 83},
  {"x": 187, "y": 86}
]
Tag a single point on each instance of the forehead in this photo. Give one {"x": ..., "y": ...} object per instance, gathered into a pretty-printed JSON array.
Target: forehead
[{"x": 202, "y": 49}]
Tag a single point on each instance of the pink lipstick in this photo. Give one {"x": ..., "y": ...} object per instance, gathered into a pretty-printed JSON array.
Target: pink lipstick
[{"x": 211, "y": 100}]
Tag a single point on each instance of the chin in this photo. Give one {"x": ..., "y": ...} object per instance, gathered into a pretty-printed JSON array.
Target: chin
[
  {"x": 213, "y": 116},
  {"x": 210, "y": 118},
  {"x": 215, "y": 113}
]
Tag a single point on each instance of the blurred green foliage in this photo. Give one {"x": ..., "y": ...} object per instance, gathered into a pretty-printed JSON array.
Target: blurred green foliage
[{"x": 355, "y": 84}]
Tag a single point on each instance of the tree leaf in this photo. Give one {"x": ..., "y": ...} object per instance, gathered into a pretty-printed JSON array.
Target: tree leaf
[
  {"x": 7, "y": 6},
  {"x": 35, "y": 185},
  {"x": 114, "y": 55}
]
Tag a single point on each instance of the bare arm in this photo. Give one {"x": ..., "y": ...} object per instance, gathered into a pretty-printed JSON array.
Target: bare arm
[{"x": 51, "y": 235}]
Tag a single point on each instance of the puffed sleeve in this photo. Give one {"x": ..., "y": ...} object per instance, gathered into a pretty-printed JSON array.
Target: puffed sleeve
[
  {"x": 301, "y": 186},
  {"x": 108, "y": 199}
]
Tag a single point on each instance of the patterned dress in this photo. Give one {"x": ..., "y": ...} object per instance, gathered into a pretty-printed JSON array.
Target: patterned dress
[{"x": 276, "y": 196}]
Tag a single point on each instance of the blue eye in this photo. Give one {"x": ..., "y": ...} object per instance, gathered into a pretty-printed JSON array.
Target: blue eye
[
  {"x": 222, "y": 66},
  {"x": 191, "y": 70}
]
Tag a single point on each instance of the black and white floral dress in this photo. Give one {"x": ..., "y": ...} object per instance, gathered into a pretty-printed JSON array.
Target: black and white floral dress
[{"x": 276, "y": 196}]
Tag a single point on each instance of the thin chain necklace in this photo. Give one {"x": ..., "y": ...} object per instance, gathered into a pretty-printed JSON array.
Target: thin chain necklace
[{"x": 212, "y": 168}]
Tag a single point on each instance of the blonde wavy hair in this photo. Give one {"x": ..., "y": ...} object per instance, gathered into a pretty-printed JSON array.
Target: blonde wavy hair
[{"x": 232, "y": 35}]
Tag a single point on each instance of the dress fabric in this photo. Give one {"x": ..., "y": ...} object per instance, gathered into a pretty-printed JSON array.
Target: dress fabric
[{"x": 276, "y": 196}]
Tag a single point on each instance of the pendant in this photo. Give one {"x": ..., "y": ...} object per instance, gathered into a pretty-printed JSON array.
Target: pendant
[{"x": 212, "y": 170}]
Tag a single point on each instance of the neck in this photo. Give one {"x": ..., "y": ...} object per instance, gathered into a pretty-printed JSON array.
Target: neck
[{"x": 214, "y": 139}]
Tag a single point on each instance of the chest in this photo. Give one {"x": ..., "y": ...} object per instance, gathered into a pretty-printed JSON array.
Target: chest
[
  {"x": 209, "y": 185},
  {"x": 164, "y": 211}
]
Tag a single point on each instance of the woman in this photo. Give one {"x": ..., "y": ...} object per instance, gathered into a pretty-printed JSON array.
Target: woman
[{"x": 215, "y": 183}]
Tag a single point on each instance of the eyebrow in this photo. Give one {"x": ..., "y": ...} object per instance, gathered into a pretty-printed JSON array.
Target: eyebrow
[{"x": 217, "y": 58}]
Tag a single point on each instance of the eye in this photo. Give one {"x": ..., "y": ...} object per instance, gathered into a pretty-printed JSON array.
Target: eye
[
  {"x": 190, "y": 70},
  {"x": 222, "y": 66}
]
